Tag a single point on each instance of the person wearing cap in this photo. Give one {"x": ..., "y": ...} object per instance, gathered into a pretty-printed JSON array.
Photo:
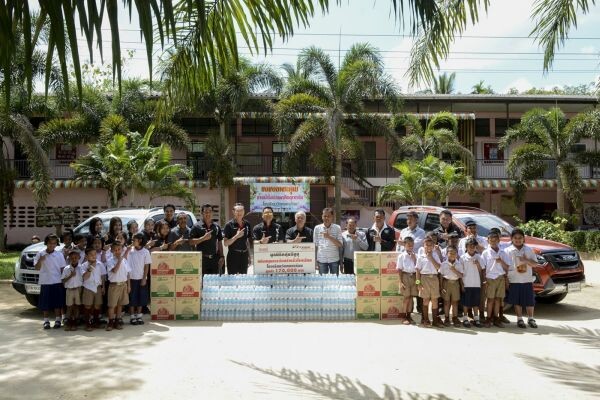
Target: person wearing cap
[
  {"x": 501, "y": 244},
  {"x": 471, "y": 232},
  {"x": 446, "y": 227},
  {"x": 380, "y": 236},
  {"x": 413, "y": 230}
]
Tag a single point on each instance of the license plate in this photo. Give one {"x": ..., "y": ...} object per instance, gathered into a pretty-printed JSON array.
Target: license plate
[
  {"x": 32, "y": 288},
  {"x": 574, "y": 287}
]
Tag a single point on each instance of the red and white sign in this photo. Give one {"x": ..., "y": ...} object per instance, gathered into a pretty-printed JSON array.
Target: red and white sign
[{"x": 284, "y": 258}]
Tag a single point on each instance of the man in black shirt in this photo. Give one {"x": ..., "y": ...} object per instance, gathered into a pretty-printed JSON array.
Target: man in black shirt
[
  {"x": 181, "y": 234},
  {"x": 236, "y": 234},
  {"x": 446, "y": 227},
  {"x": 267, "y": 231},
  {"x": 206, "y": 236},
  {"x": 380, "y": 236},
  {"x": 299, "y": 233},
  {"x": 169, "y": 218}
]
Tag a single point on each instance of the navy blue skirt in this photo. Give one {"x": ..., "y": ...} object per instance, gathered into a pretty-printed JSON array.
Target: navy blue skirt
[
  {"x": 521, "y": 294},
  {"x": 51, "y": 297},
  {"x": 138, "y": 297},
  {"x": 471, "y": 297}
]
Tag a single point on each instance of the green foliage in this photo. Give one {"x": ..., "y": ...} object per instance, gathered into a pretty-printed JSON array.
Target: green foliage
[
  {"x": 7, "y": 264},
  {"x": 444, "y": 83},
  {"x": 550, "y": 230},
  {"x": 577, "y": 239},
  {"x": 592, "y": 241}
]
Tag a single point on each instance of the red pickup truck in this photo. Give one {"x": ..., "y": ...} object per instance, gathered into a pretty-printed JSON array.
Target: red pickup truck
[{"x": 559, "y": 270}]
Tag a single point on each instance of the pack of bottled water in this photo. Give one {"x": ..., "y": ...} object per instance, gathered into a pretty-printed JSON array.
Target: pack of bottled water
[{"x": 279, "y": 297}]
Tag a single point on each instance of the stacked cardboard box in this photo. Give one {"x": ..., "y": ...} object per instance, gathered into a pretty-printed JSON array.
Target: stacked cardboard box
[
  {"x": 176, "y": 285},
  {"x": 377, "y": 285}
]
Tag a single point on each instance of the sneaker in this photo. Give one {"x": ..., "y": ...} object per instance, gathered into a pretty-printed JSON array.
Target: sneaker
[
  {"x": 89, "y": 327},
  {"x": 521, "y": 324},
  {"x": 498, "y": 323},
  {"x": 447, "y": 321},
  {"x": 109, "y": 325},
  {"x": 477, "y": 323},
  {"x": 412, "y": 321},
  {"x": 532, "y": 323},
  {"x": 487, "y": 323},
  {"x": 140, "y": 321},
  {"x": 57, "y": 325},
  {"x": 133, "y": 321},
  {"x": 438, "y": 323},
  {"x": 504, "y": 320},
  {"x": 456, "y": 322},
  {"x": 46, "y": 325},
  {"x": 466, "y": 323},
  {"x": 119, "y": 324}
]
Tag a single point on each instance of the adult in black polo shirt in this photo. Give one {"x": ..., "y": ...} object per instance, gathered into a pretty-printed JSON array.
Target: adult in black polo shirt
[
  {"x": 299, "y": 233},
  {"x": 268, "y": 231},
  {"x": 182, "y": 234},
  {"x": 169, "y": 218},
  {"x": 380, "y": 236},
  {"x": 236, "y": 234},
  {"x": 206, "y": 236},
  {"x": 446, "y": 227}
]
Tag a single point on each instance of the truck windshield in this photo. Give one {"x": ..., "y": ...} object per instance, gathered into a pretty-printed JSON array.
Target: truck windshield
[{"x": 485, "y": 222}]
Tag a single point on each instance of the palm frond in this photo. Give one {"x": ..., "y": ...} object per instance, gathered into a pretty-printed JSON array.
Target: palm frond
[
  {"x": 571, "y": 183},
  {"x": 315, "y": 59}
]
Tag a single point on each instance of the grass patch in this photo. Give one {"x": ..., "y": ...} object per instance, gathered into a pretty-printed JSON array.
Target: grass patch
[{"x": 7, "y": 264}]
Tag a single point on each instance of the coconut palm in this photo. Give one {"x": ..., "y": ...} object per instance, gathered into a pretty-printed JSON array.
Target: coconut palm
[
  {"x": 480, "y": 88},
  {"x": 451, "y": 179},
  {"x": 416, "y": 181},
  {"x": 444, "y": 83},
  {"x": 333, "y": 101},
  {"x": 219, "y": 153},
  {"x": 439, "y": 136},
  {"x": 544, "y": 136}
]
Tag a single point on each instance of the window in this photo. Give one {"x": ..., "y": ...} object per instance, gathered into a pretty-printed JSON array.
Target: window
[
  {"x": 482, "y": 127},
  {"x": 431, "y": 222},
  {"x": 257, "y": 127},
  {"x": 279, "y": 151},
  {"x": 492, "y": 152},
  {"x": 577, "y": 148},
  {"x": 249, "y": 154},
  {"x": 196, "y": 148},
  {"x": 400, "y": 222},
  {"x": 196, "y": 160},
  {"x": 501, "y": 125}
]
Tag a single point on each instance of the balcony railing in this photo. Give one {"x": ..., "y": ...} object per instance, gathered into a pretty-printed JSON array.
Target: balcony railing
[{"x": 269, "y": 165}]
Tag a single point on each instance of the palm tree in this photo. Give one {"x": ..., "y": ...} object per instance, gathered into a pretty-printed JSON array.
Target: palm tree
[
  {"x": 327, "y": 96},
  {"x": 416, "y": 181},
  {"x": 544, "y": 136},
  {"x": 451, "y": 179},
  {"x": 480, "y": 88},
  {"x": 220, "y": 155},
  {"x": 438, "y": 137},
  {"x": 444, "y": 83}
]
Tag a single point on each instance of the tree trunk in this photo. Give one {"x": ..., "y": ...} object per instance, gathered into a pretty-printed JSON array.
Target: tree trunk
[
  {"x": 222, "y": 206},
  {"x": 560, "y": 195},
  {"x": 113, "y": 198},
  {"x": 338, "y": 185},
  {"x": 447, "y": 198},
  {"x": 2, "y": 243}
]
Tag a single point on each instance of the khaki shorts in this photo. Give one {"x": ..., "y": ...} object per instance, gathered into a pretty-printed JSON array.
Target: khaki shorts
[
  {"x": 452, "y": 293},
  {"x": 89, "y": 298},
  {"x": 430, "y": 287},
  {"x": 496, "y": 288},
  {"x": 73, "y": 297},
  {"x": 117, "y": 295},
  {"x": 410, "y": 287}
]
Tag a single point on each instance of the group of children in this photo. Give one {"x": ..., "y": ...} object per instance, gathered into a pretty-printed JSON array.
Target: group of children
[
  {"x": 90, "y": 274},
  {"x": 481, "y": 272}
]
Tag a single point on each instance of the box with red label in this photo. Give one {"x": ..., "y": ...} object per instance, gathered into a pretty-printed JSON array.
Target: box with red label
[
  {"x": 187, "y": 286},
  {"x": 163, "y": 308},
  {"x": 390, "y": 285},
  {"x": 366, "y": 262},
  {"x": 391, "y": 307},
  {"x": 163, "y": 263},
  {"x": 387, "y": 263},
  {"x": 368, "y": 285},
  {"x": 187, "y": 308},
  {"x": 188, "y": 263},
  {"x": 368, "y": 308}
]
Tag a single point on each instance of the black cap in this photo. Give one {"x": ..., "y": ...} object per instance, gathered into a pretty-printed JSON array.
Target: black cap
[
  {"x": 496, "y": 230},
  {"x": 470, "y": 222}
]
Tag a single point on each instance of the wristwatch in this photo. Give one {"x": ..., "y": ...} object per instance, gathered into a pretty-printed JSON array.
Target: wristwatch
[{"x": 418, "y": 282}]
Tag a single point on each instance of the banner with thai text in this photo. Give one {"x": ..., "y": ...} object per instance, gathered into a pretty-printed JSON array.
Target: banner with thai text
[{"x": 282, "y": 197}]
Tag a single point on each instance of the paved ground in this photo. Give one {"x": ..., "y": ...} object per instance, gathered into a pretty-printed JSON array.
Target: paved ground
[{"x": 352, "y": 360}]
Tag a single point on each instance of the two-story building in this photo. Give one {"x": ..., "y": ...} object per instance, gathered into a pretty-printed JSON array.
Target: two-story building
[{"x": 259, "y": 155}]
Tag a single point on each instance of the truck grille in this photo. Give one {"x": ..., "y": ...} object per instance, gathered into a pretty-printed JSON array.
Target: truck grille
[
  {"x": 30, "y": 278},
  {"x": 567, "y": 278},
  {"x": 27, "y": 261},
  {"x": 563, "y": 260}
]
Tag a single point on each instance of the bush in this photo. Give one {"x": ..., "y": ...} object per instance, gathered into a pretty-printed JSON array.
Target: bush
[
  {"x": 577, "y": 239},
  {"x": 545, "y": 229},
  {"x": 592, "y": 241}
]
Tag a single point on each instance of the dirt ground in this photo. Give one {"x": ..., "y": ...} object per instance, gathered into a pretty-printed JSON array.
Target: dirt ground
[{"x": 316, "y": 360}]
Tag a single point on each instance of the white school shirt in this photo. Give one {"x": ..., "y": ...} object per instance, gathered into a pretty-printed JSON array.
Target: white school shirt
[
  {"x": 405, "y": 263},
  {"x": 426, "y": 267},
  {"x": 123, "y": 272},
  {"x": 76, "y": 281},
  {"x": 421, "y": 253},
  {"x": 462, "y": 244},
  {"x": 95, "y": 278},
  {"x": 448, "y": 273},
  {"x": 350, "y": 245},
  {"x": 493, "y": 268},
  {"x": 525, "y": 253},
  {"x": 52, "y": 266},
  {"x": 417, "y": 234},
  {"x": 327, "y": 252},
  {"x": 136, "y": 260},
  {"x": 471, "y": 276}
]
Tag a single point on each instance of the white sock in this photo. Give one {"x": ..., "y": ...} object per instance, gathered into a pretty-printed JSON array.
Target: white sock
[
  {"x": 140, "y": 315},
  {"x": 46, "y": 319},
  {"x": 519, "y": 318},
  {"x": 477, "y": 318},
  {"x": 465, "y": 317}
]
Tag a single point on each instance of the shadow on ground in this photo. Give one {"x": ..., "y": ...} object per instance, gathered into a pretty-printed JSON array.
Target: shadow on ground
[
  {"x": 338, "y": 386},
  {"x": 577, "y": 375}
]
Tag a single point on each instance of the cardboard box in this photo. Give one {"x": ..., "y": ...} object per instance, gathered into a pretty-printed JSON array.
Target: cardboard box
[
  {"x": 162, "y": 286},
  {"x": 162, "y": 309},
  {"x": 187, "y": 308},
  {"x": 368, "y": 285},
  {"x": 387, "y": 263},
  {"x": 187, "y": 286},
  {"x": 366, "y": 262},
  {"x": 368, "y": 308},
  {"x": 390, "y": 285},
  {"x": 188, "y": 263},
  {"x": 391, "y": 307},
  {"x": 163, "y": 263}
]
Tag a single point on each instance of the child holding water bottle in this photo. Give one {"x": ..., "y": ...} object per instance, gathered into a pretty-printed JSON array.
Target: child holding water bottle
[{"x": 520, "y": 278}]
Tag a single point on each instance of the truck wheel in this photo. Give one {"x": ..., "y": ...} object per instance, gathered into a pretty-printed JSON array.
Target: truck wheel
[
  {"x": 552, "y": 299},
  {"x": 32, "y": 299}
]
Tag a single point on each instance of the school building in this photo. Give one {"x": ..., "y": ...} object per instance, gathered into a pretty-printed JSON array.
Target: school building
[{"x": 259, "y": 156}]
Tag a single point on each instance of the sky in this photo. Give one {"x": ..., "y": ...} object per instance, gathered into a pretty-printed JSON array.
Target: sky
[{"x": 497, "y": 50}]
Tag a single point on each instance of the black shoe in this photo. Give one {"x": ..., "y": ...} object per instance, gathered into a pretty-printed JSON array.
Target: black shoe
[
  {"x": 504, "y": 320},
  {"x": 466, "y": 323},
  {"x": 46, "y": 324},
  {"x": 133, "y": 321},
  {"x": 532, "y": 323},
  {"x": 57, "y": 325},
  {"x": 140, "y": 321},
  {"x": 521, "y": 324},
  {"x": 477, "y": 323}
]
